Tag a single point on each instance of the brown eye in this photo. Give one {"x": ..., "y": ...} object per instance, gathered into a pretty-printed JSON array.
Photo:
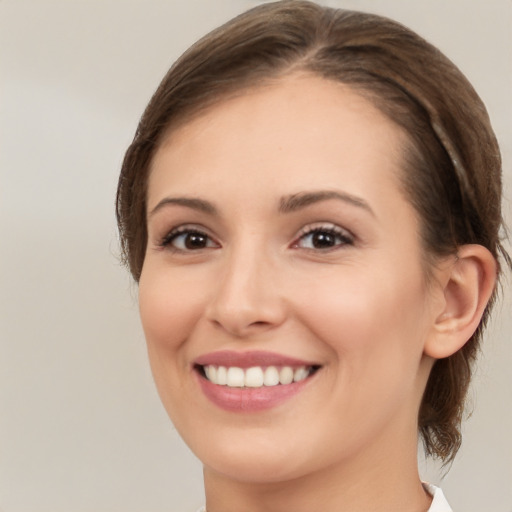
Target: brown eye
[
  {"x": 195, "y": 241},
  {"x": 324, "y": 238},
  {"x": 188, "y": 240}
]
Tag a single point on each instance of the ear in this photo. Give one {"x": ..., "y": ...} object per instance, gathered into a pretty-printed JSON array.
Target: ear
[{"x": 467, "y": 285}]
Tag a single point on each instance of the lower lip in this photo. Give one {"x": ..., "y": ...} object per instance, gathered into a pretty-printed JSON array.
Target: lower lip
[{"x": 250, "y": 399}]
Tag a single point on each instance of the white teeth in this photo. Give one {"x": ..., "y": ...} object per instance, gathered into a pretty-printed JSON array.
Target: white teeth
[
  {"x": 285, "y": 375},
  {"x": 222, "y": 376},
  {"x": 271, "y": 377},
  {"x": 235, "y": 377},
  {"x": 256, "y": 376},
  {"x": 211, "y": 373},
  {"x": 300, "y": 374}
]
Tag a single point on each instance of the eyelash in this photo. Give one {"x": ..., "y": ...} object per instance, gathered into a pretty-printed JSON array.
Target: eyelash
[
  {"x": 340, "y": 235},
  {"x": 167, "y": 241},
  {"x": 343, "y": 237}
]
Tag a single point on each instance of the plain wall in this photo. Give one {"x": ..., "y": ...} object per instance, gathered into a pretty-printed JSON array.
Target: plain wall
[{"x": 81, "y": 426}]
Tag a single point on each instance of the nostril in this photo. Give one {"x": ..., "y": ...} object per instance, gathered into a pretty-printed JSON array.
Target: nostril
[{"x": 243, "y": 315}]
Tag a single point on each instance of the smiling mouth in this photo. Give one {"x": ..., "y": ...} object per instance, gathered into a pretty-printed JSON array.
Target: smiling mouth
[{"x": 255, "y": 376}]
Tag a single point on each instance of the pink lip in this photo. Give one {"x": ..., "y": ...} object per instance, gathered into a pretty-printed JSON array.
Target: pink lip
[
  {"x": 248, "y": 359},
  {"x": 249, "y": 399}
]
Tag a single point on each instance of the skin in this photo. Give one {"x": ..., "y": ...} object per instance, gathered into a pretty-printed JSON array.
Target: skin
[{"x": 361, "y": 309}]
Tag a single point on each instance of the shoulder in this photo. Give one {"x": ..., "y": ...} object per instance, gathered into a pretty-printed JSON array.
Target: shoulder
[{"x": 439, "y": 503}]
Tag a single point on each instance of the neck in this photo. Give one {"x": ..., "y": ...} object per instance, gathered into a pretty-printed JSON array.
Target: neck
[{"x": 385, "y": 482}]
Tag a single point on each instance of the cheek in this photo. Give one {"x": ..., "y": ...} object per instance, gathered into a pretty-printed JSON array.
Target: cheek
[
  {"x": 170, "y": 306},
  {"x": 374, "y": 322},
  {"x": 374, "y": 331}
]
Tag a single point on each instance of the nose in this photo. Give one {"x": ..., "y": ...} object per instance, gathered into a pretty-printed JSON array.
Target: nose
[{"x": 248, "y": 298}]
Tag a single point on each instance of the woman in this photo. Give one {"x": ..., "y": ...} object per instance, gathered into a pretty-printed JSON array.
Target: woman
[{"x": 311, "y": 209}]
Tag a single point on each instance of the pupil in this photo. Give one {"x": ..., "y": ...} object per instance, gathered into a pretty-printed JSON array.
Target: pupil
[
  {"x": 195, "y": 241},
  {"x": 323, "y": 239}
]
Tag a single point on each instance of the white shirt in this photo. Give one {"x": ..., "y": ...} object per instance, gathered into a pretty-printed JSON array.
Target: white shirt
[{"x": 439, "y": 503}]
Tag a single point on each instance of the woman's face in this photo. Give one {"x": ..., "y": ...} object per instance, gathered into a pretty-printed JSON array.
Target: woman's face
[{"x": 281, "y": 247}]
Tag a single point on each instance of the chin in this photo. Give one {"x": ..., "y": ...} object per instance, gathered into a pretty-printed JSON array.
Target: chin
[
  {"x": 255, "y": 470},
  {"x": 250, "y": 458}
]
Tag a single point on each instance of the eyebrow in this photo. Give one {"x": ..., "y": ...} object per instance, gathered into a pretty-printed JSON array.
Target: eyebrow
[
  {"x": 301, "y": 200},
  {"x": 189, "y": 202},
  {"x": 287, "y": 204}
]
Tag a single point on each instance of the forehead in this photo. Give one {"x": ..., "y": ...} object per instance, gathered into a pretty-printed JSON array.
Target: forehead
[{"x": 293, "y": 132}]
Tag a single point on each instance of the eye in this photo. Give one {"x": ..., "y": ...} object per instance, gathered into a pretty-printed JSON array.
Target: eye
[
  {"x": 324, "y": 238},
  {"x": 188, "y": 239}
]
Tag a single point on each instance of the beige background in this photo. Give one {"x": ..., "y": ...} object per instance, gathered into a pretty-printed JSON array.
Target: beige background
[{"x": 81, "y": 427}]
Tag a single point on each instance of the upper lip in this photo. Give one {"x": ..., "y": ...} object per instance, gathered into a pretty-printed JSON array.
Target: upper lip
[{"x": 248, "y": 359}]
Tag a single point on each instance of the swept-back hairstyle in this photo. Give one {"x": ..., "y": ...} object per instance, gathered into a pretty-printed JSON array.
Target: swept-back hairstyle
[{"x": 451, "y": 161}]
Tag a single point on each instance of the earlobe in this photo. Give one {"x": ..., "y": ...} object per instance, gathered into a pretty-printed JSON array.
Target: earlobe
[{"x": 468, "y": 284}]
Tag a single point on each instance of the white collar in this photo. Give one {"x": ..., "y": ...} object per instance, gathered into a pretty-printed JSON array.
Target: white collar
[{"x": 439, "y": 503}]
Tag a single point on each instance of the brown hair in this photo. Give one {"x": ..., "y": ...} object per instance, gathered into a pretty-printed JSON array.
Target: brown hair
[{"x": 452, "y": 172}]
